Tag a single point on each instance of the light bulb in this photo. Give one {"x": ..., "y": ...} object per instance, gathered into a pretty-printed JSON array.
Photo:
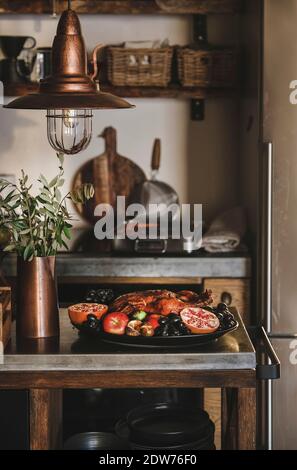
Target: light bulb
[
  {"x": 69, "y": 118},
  {"x": 69, "y": 130}
]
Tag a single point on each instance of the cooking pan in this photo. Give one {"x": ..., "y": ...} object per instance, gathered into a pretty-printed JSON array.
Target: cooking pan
[{"x": 153, "y": 191}]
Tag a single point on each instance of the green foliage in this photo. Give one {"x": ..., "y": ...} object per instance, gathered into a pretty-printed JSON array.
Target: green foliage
[{"x": 38, "y": 225}]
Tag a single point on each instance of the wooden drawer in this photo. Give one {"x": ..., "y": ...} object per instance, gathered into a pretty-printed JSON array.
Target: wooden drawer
[{"x": 234, "y": 292}]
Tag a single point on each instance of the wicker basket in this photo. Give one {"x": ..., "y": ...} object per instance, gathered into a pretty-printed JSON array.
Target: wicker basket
[
  {"x": 208, "y": 68},
  {"x": 139, "y": 67}
]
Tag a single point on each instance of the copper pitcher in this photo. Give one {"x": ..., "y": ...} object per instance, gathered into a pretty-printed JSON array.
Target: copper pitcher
[{"x": 38, "y": 313}]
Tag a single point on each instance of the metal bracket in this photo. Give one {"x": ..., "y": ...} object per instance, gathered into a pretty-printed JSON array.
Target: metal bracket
[
  {"x": 200, "y": 36},
  {"x": 197, "y": 110},
  {"x": 200, "y": 31}
]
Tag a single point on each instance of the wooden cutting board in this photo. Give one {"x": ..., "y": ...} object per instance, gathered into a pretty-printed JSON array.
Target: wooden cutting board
[{"x": 111, "y": 174}]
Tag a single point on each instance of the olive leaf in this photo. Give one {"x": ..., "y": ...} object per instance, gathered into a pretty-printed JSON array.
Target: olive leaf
[{"x": 38, "y": 225}]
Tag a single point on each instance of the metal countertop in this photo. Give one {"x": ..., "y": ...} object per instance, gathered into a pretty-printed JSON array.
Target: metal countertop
[{"x": 234, "y": 351}]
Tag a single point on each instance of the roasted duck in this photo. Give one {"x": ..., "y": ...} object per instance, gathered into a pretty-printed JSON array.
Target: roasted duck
[{"x": 162, "y": 302}]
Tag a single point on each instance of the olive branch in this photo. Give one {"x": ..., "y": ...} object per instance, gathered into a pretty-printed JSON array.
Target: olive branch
[{"x": 39, "y": 225}]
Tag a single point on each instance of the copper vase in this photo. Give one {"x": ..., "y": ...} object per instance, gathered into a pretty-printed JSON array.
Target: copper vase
[{"x": 38, "y": 313}]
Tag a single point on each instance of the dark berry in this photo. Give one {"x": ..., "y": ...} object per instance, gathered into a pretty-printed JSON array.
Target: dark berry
[
  {"x": 104, "y": 296},
  {"x": 92, "y": 293},
  {"x": 165, "y": 330},
  {"x": 177, "y": 333},
  {"x": 90, "y": 296},
  {"x": 228, "y": 316},
  {"x": 163, "y": 320},
  {"x": 173, "y": 317},
  {"x": 92, "y": 321},
  {"x": 222, "y": 307},
  {"x": 159, "y": 331},
  {"x": 184, "y": 330},
  {"x": 176, "y": 321},
  {"x": 230, "y": 324},
  {"x": 220, "y": 316},
  {"x": 210, "y": 309}
]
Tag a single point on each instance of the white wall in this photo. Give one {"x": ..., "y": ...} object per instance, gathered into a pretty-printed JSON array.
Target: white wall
[{"x": 188, "y": 149}]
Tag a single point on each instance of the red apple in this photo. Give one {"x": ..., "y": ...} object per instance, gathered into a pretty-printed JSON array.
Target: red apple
[
  {"x": 153, "y": 320},
  {"x": 115, "y": 323}
]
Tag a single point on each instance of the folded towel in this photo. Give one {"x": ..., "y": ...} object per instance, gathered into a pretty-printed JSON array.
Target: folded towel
[{"x": 226, "y": 231}]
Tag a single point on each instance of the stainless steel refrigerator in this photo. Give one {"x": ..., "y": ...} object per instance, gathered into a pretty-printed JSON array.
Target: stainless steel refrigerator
[{"x": 277, "y": 247}]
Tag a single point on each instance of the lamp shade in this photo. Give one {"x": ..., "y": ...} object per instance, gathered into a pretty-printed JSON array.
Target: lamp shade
[{"x": 69, "y": 86}]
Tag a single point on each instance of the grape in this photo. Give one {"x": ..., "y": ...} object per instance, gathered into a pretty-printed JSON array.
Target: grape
[
  {"x": 92, "y": 322},
  {"x": 173, "y": 317},
  {"x": 100, "y": 296},
  {"x": 159, "y": 331},
  {"x": 222, "y": 307},
  {"x": 104, "y": 296}
]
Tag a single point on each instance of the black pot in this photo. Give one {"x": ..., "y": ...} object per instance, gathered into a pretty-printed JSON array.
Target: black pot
[{"x": 168, "y": 425}]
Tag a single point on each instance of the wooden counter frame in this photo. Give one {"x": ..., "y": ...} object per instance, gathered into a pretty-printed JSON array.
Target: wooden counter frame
[{"x": 45, "y": 390}]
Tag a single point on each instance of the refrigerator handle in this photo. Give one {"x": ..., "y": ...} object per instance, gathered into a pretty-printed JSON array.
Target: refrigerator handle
[
  {"x": 268, "y": 363},
  {"x": 266, "y": 271},
  {"x": 267, "y": 234}
]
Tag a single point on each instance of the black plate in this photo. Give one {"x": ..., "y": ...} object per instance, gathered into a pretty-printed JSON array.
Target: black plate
[
  {"x": 166, "y": 426},
  {"x": 163, "y": 341}
]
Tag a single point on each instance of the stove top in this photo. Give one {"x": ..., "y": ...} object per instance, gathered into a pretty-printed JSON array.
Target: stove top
[{"x": 84, "y": 242}]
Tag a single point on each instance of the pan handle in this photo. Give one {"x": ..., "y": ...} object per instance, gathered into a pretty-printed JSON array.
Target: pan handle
[{"x": 156, "y": 157}]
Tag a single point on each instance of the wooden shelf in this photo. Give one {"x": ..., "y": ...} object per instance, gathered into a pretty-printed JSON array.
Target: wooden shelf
[
  {"x": 172, "y": 91},
  {"x": 122, "y": 7}
]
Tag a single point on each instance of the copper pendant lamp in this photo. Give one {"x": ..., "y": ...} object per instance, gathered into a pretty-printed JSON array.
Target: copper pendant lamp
[{"x": 69, "y": 95}]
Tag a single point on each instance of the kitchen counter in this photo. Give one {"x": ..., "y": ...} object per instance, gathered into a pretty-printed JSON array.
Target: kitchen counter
[
  {"x": 200, "y": 265},
  {"x": 70, "y": 363},
  {"x": 231, "y": 352}
]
